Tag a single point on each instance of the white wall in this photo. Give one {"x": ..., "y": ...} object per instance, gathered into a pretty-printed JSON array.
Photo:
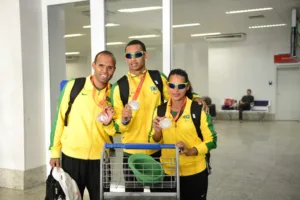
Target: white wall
[
  {"x": 236, "y": 66},
  {"x": 193, "y": 57},
  {"x": 21, "y": 98},
  {"x": 79, "y": 68},
  {"x": 11, "y": 87},
  {"x": 32, "y": 62}
]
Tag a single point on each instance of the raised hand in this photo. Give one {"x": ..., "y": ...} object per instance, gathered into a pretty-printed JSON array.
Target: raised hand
[
  {"x": 109, "y": 110},
  {"x": 126, "y": 113}
]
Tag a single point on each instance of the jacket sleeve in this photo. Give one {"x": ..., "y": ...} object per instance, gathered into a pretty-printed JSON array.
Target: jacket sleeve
[
  {"x": 209, "y": 134},
  {"x": 58, "y": 124},
  {"x": 117, "y": 104}
]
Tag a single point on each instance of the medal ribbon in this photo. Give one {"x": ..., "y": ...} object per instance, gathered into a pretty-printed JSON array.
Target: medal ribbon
[
  {"x": 138, "y": 89},
  {"x": 100, "y": 104},
  {"x": 178, "y": 113}
]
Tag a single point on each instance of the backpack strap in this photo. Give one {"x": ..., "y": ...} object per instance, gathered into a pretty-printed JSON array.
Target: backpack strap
[
  {"x": 161, "y": 109},
  {"x": 196, "y": 116},
  {"x": 156, "y": 78},
  {"x": 77, "y": 87},
  {"x": 124, "y": 89},
  {"x": 124, "y": 85}
]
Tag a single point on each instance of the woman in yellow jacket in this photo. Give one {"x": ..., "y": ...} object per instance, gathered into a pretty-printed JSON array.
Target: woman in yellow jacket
[{"x": 182, "y": 132}]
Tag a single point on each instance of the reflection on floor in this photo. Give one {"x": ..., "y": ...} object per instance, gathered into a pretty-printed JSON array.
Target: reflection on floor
[{"x": 257, "y": 161}]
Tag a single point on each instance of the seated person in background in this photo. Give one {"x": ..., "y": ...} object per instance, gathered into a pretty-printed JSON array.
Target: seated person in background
[{"x": 245, "y": 103}]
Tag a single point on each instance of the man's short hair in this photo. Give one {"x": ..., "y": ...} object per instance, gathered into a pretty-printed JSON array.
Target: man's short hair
[
  {"x": 249, "y": 90},
  {"x": 105, "y": 52},
  {"x": 134, "y": 42}
]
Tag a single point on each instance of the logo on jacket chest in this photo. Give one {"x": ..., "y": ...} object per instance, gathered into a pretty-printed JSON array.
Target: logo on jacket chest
[
  {"x": 154, "y": 90},
  {"x": 186, "y": 117}
]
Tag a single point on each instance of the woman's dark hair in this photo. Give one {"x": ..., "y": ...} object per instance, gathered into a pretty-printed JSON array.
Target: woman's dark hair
[{"x": 181, "y": 72}]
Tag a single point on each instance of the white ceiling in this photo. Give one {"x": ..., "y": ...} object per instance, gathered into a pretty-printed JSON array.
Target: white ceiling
[{"x": 209, "y": 13}]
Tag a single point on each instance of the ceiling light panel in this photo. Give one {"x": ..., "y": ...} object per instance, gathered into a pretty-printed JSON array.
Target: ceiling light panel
[
  {"x": 73, "y": 35},
  {"x": 106, "y": 25},
  {"x": 267, "y": 26},
  {"x": 72, "y": 53},
  {"x": 249, "y": 10},
  {"x": 143, "y": 36},
  {"x": 185, "y": 25},
  {"x": 114, "y": 43},
  {"x": 204, "y": 34},
  {"x": 131, "y": 10},
  {"x": 111, "y": 25}
]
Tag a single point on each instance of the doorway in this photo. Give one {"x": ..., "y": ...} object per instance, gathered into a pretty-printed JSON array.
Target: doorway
[{"x": 288, "y": 94}]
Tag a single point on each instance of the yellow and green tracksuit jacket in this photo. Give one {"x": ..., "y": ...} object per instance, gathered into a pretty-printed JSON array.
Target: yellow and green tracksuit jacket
[
  {"x": 149, "y": 98},
  {"x": 84, "y": 136},
  {"x": 184, "y": 130}
]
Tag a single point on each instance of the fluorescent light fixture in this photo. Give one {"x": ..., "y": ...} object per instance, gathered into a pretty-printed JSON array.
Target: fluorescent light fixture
[
  {"x": 185, "y": 25},
  {"x": 142, "y": 36},
  {"x": 130, "y": 10},
  {"x": 114, "y": 43},
  {"x": 204, "y": 34},
  {"x": 267, "y": 26},
  {"x": 107, "y": 25},
  {"x": 73, "y": 35},
  {"x": 249, "y": 10},
  {"x": 72, "y": 53},
  {"x": 111, "y": 25}
]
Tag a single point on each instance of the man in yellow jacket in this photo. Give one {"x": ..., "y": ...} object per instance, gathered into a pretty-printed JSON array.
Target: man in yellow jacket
[
  {"x": 135, "y": 123},
  {"x": 79, "y": 142},
  {"x": 134, "y": 120}
]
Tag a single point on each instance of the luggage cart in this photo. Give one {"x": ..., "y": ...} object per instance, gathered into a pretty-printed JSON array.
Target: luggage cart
[{"x": 115, "y": 175}]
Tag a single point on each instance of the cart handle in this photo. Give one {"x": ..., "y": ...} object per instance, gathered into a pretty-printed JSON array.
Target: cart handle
[{"x": 139, "y": 146}]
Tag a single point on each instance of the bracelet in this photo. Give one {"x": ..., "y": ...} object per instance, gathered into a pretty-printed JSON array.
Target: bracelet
[{"x": 126, "y": 122}]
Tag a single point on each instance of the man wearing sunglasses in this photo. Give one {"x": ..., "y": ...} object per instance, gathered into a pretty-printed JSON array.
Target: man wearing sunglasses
[{"x": 134, "y": 119}]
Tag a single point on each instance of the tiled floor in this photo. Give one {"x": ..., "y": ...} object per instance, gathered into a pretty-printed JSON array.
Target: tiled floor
[{"x": 257, "y": 161}]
